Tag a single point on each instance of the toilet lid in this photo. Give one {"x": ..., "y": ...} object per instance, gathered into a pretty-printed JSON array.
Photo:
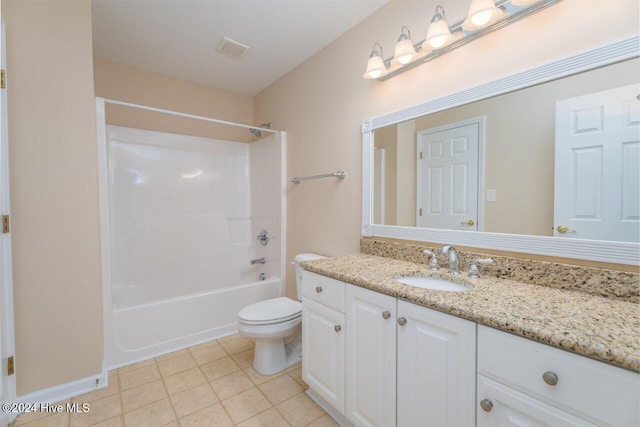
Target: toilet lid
[{"x": 274, "y": 310}]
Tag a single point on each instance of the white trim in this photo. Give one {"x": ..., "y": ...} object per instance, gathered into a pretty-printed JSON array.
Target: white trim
[
  {"x": 594, "y": 250},
  {"x": 333, "y": 412},
  {"x": 7, "y": 329},
  {"x": 65, "y": 391},
  {"x": 283, "y": 212},
  {"x": 105, "y": 240}
]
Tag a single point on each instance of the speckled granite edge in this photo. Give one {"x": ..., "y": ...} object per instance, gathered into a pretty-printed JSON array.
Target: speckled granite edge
[
  {"x": 604, "y": 329},
  {"x": 620, "y": 285}
]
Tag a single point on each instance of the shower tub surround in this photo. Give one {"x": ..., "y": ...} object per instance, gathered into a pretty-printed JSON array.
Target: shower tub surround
[
  {"x": 601, "y": 323},
  {"x": 183, "y": 216}
]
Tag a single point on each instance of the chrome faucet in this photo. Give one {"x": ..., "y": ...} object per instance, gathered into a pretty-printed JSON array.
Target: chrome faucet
[
  {"x": 258, "y": 261},
  {"x": 433, "y": 261},
  {"x": 454, "y": 261}
]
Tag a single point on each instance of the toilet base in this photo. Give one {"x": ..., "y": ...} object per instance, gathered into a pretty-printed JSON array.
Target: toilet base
[
  {"x": 274, "y": 355},
  {"x": 277, "y": 346}
]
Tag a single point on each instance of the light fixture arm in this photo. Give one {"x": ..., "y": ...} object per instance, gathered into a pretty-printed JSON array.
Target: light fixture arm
[
  {"x": 439, "y": 15},
  {"x": 403, "y": 35},
  {"x": 374, "y": 52}
]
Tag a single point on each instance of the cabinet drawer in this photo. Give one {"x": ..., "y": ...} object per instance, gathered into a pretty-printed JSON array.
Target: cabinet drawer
[
  {"x": 508, "y": 405},
  {"x": 601, "y": 393},
  {"x": 324, "y": 290}
]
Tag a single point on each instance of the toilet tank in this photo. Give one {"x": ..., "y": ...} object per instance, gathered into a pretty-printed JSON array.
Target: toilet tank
[{"x": 296, "y": 262}]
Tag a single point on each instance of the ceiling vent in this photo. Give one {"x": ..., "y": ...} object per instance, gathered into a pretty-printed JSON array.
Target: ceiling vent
[{"x": 232, "y": 48}]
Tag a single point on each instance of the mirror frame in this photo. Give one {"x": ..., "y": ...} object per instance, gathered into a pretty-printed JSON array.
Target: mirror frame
[{"x": 585, "y": 249}]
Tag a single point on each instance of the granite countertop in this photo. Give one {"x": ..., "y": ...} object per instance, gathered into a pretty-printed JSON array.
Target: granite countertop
[{"x": 600, "y": 328}]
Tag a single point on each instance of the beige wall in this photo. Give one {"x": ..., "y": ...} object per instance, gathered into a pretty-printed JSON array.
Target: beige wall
[
  {"x": 322, "y": 102},
  {"x": 123, "y": 83},
  {"x": 54, "y": 193}
]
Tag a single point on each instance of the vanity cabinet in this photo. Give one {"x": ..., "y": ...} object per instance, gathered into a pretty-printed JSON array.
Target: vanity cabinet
[
  {"x": 407, "y": 365},
  {"x": 523, "y": 382},
  {"x": 436, "y": 368},
  {"x": 380, "y": 361},
  {"x": 371, "y": 358},
  {"x": 323, "y": 337}
]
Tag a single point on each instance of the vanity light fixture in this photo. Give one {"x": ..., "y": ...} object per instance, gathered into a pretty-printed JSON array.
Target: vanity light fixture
[
  {"x": 405, "y": 51},
  {"x": 523, "y": 2},
  {"x": 482, "y": 13},
  {"x": 484, "y": 17},
  {"x": 438, "y": 34},
  {"x": 376, "y": 66}
]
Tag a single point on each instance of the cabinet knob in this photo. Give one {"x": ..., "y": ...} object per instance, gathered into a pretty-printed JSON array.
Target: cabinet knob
[
  {"x": 550, "y": 378},
  {"x": 486, "y": 405},
  {"x": 386, "y": 314},
  {"x": 337, "y": 328},
  {"x": 318, "y": 289},
  {"x": 402, "y": 321}
]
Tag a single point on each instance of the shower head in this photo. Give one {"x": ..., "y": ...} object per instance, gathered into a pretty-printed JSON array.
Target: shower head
[{"x": 256, "y": 132}]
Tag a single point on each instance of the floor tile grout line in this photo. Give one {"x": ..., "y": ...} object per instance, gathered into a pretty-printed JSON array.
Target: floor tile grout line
[
  {"x": 256, "y": 383},
  {"x": 173, "y": 409},
  {"x": 209, "y": 383}
]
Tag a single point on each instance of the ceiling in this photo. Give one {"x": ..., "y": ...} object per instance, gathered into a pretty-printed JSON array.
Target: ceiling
[{"x": 178, "y": 38}]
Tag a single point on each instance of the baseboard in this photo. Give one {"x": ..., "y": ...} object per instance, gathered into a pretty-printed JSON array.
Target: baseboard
[
  {"x": 65, "y": 391},
  {"x": 337, "y": 416}
]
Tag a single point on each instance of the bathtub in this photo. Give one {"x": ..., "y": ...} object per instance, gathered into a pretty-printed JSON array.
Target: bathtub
[{"x": 148, "y": 330}]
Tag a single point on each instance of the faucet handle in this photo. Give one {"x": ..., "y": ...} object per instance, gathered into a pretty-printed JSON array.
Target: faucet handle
[
  {"x": 433, "y": 261},
  {"x": 474, "y": 271},
  {"x": 445, "y": 249}
]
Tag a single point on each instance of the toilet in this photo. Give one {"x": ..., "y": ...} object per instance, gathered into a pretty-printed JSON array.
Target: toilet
[{"x": 276, "y": 327}]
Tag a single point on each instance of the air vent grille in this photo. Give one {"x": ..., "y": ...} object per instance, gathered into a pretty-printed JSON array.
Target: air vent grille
[{"x": 232, "y": 48}]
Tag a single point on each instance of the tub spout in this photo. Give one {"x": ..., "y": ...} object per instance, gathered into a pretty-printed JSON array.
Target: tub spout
[{"x": 258, "y": 261}]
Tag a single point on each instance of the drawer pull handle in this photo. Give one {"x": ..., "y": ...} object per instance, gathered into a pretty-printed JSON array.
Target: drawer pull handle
[
  {"x": 486, "y": 405},
  {"x": 337, "y": 328},
  {"x": 386, "y": 314},
  {"x": 402, "y": 321},
  {"x": 550, "y": 378},
  {"x": 318, "y": 289}
]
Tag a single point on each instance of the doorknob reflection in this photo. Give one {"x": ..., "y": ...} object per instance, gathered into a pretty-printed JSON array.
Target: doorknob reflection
[{"x": 564, "y": 229}]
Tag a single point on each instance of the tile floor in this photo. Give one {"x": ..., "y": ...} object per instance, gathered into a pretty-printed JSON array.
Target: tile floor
[{"x": 211, "y": 384}]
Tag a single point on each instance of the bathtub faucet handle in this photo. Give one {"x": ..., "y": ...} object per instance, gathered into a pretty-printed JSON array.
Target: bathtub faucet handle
[{"x": 263, "y": 237}]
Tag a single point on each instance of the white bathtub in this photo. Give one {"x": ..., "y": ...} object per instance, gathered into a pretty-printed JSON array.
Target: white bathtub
[{"x": 148, "y": 330}]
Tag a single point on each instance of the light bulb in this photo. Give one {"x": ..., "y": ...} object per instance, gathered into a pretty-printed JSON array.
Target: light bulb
[
  {"x": 482, "y": 13},
  {"x": 481, "y": 18},
  {"x": 375, "y": 66},
  {"x": 404, "y": 51},
  {"x": 438, "y": 33}
]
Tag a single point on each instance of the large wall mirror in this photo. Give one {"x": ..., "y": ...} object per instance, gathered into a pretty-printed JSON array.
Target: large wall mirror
[{"x": 542, "y": 162}]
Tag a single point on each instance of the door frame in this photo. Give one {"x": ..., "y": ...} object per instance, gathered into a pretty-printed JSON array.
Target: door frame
[
  {"x": 420, "y": 135},
  {"x": 7, "y": 332}
]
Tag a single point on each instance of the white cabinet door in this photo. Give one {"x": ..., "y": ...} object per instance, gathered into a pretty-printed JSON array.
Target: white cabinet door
[
  {"x": 371, "y": 358},
  {"x": 502, "y": 406},
  {"x": 436, "y": 368},
  {"x": 323, "y": 351}
]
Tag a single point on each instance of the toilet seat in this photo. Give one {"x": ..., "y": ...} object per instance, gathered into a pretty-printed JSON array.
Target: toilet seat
[{"x": 276, "y": 310}]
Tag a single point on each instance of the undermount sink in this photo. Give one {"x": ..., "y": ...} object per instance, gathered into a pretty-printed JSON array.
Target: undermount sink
[{"x": 433, "y": 283}]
